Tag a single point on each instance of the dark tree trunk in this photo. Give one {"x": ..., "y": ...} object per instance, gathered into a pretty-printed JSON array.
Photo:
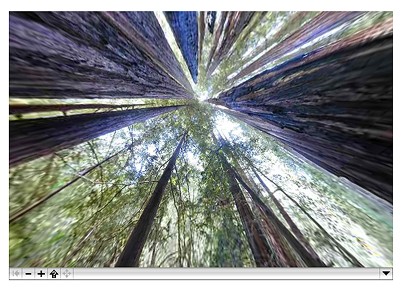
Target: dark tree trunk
[
  {"x": 235, "y": 24},
  {"x": 262, "y": 252},
  {"x": 300, "y": 250},
  {"x": 308, "y": 259},
  {"x": 211, "y": 17},
  {"x": 19, "y": 109},
  {"x": 321, "y": 24},
  {"x": 34, "y": 138},
  {"x": 280, "y": 245},
  {"x": 274, "y": 233},
  {"x": 144, "y": 30},
  {"x": 296, "y": 231},
  {"x": 91, "y": 55},
  {"x": 185, "y": 29},
  {"x": 334, "y": 108},
  {"x": 330, "y": 239},
  {"x": 254, "y": 21},
  {"x": 278, "y": 36},
  {"x": 41, "y": 201},
  {"x": 201, "y": 29},
  {"x": 274, "y": 237},
  {"x": 217, "y": 35},
  {"x": 133, "y": 248}
]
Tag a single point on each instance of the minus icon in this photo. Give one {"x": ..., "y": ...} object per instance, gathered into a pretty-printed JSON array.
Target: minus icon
[{"x": 27, "y": 273}]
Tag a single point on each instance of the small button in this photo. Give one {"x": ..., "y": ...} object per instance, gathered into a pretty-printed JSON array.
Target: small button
[
  {"x": 15, "y": 273},
  {"x": 386, "y": 273},
  {"x": 28, "y": 273},
  {"x": 66, "y": 273},
  {"x": 53, "y": 273},
  {"x": 41, "y": 273}
]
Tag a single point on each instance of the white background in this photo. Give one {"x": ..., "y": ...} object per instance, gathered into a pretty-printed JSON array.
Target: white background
[{"x": 218, "y": 5}]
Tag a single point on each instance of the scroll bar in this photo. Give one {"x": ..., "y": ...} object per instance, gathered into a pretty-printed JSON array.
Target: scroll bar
[{"x": 231, "y": 273}]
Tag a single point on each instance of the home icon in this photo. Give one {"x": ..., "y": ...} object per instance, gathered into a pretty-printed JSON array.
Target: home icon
[{"x": 54, "y": 274}]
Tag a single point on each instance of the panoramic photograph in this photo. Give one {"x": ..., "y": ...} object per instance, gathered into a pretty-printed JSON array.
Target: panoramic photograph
[{"x": 201, "y": 139}]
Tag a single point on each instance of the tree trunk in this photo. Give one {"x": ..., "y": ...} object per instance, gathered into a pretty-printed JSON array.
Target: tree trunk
[
  {"x": 334, "y": 109},
  {"x": 211, "y": 17},
  {"x": 319, "y": 25},
  {"x": 283, "y": 32},
  {"x": 308, "y": 259},
  {"x": 18, "y": 109},
  {"x": 278, "y": 243},
  {"x": 254, "y": 21},
  {"x": 133, "y": 248},
  {"x": 330, "y": 239},
  {"x": 82, "y": 55},
  {"x": 368, "y": 34},
  {"x": 296, "y": 231},
  {"x": 237, "y": 22},
  {"x": 218, "y": 33},
  {"x": 201, "y": 35},
  {"x": 274, "y": 233},
  {"x": 144, "y": 30},
  {"x": 275, "y": 239},
  {"x": 282, "y": 248},
  {"x": 34, "y": 138},
  {"x": 261, "y": 250},
  {"x": 185, "y": 29}
]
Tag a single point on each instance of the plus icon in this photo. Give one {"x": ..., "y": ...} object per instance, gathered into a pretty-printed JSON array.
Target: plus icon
[{"x": 41, "y": 274}]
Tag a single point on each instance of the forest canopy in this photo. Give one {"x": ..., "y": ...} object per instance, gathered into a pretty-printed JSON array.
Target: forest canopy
[{"x": 200, "y": 139}]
